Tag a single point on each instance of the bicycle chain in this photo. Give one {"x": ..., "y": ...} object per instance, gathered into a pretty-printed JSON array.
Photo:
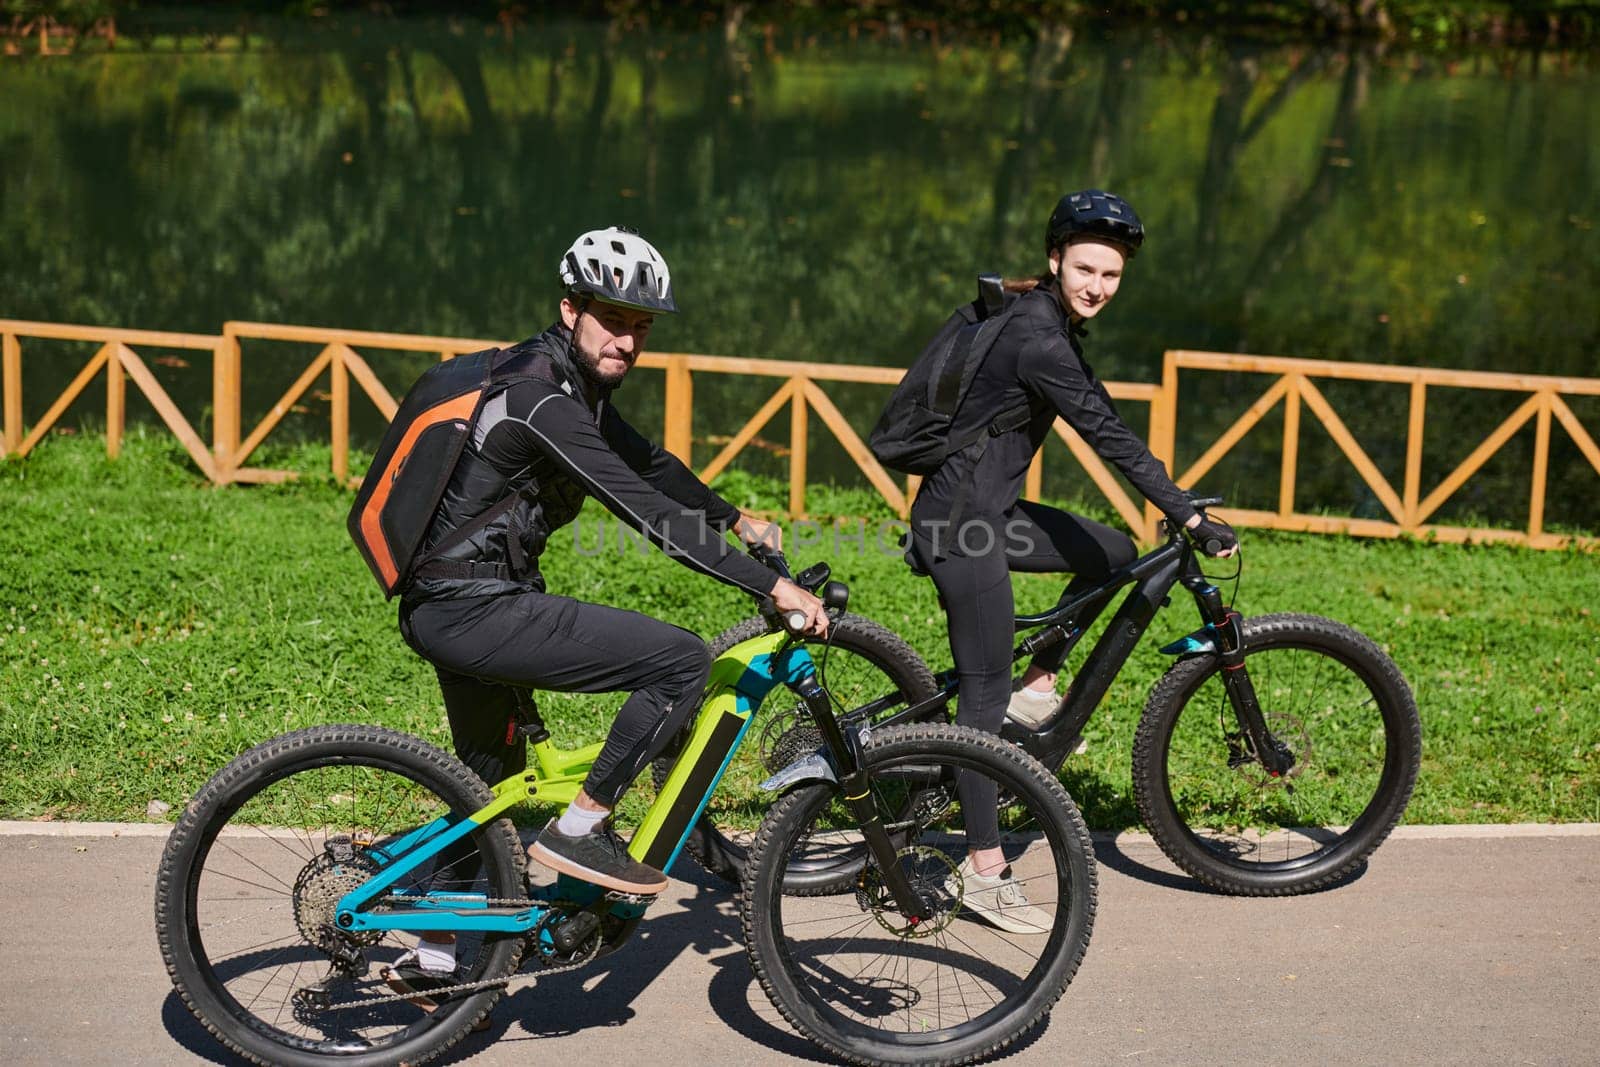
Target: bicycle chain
[{"x": 487, "y": 983}]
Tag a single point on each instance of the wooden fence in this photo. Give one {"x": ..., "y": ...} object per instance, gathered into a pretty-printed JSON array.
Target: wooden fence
[
  {"x": 804, "y": 389},
  {"x": 1409, "y": 509}
]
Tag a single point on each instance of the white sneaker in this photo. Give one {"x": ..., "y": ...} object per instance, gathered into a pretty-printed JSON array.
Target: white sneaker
[
  {"x": 998, "y": 901},
  {"x": 1031, "y": 708}
]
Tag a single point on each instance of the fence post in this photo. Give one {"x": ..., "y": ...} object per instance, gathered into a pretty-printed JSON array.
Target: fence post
[
  {"x": 1291, "y": 447},
  {"x": 339, "y": 413},
  {"x": 1163, "y": 433},
  {"x": 11, "y": 386},
  {"x": 678, "y": 433},
  {"x": 797, "y": 451},
  {"x": 116, "y": 402},
  {"x": 225, "y": 404},
  {"x": 1413, "y": 487},
  {"x": 1541, "y": 465}
]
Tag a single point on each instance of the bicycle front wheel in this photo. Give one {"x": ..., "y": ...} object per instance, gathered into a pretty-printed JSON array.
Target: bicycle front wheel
[
  {"x": 988, "y": 958},
  {"x": 1340, "y": 707},
  {"x": 253, "y": 872}
]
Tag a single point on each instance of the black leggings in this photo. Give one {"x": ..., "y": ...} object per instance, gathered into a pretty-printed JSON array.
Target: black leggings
[
  {"x": 971, "y": 567},
  {"x": 487, "y": 648}
]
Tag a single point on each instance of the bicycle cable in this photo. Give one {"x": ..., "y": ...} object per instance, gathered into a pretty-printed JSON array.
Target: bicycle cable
[{"x": 1237, "y": 578}]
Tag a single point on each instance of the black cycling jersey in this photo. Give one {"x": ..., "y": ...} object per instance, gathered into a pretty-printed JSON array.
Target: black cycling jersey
[
  {"x": 970, "y": 530},
  {"x": 1037, "y": 358},
  {"x": 477, "y": 608},
  {"x": 545, "y": 441}
]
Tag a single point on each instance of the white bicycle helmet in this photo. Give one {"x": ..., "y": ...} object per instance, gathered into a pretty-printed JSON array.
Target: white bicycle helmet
[{"x": 620, "y": 267}]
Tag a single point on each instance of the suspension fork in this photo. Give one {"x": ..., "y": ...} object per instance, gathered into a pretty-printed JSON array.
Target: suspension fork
[
  {"x": 856, "y": 785},
  {"x": 1275, "y": 757}
]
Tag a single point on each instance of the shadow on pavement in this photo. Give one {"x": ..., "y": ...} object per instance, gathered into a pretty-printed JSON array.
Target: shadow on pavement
[
  {"x": 190, "y": 1034},
  {"x": 1111, "y": 856},
  {"x": 602, "y": 993}
]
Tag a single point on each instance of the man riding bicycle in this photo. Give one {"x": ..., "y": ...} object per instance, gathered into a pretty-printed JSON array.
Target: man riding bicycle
[{"x": 478, "y": 608}]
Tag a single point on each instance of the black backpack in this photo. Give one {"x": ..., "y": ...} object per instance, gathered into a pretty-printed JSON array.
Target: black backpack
[
  {"x": 913, "y": 433},
  {"x": 394, "y": 506}
]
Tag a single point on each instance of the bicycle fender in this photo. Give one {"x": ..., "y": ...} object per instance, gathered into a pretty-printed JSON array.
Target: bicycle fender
[
  {"x": 813, "y": 768},
  {"x": 817, "y": 767},
  {"x": 1203, "y": 641}
]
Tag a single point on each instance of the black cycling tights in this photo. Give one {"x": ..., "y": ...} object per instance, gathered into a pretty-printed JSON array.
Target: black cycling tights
[
  {"x": 486, "y": 648},
  {"x": 974, "y": 582}
]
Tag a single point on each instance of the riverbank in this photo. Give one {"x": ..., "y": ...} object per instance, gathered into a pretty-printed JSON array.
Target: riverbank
[{"x": 152, "y": 627}]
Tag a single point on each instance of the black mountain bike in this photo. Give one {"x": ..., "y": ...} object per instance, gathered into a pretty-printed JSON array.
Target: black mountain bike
[{"x": 1272, "y": 758}]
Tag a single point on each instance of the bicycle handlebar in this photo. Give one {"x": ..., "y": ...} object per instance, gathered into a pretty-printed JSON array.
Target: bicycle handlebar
[{"x": 814, "y": 579}]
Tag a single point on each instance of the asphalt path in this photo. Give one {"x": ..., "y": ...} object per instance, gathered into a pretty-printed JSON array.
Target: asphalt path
[{"x": 1456, "y": 945}]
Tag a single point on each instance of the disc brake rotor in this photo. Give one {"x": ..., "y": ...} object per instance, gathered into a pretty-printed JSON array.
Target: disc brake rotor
[
  {"x": 1290, "y": 732},
  {"x": 930, "y": 873}
]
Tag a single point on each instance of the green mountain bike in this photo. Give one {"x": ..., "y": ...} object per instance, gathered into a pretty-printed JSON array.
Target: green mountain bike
[{"x": 310, "y": 864}]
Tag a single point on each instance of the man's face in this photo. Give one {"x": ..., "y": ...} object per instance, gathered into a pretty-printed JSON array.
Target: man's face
[
  {"x": 606, "y": 338},
  {"x": 1090, "y": 272}
]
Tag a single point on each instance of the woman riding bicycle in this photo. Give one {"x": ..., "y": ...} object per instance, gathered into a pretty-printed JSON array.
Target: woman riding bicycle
[{"x": 969, "y": 529}]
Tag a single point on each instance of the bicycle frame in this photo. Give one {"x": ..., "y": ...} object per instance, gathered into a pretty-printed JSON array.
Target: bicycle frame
[
  {"x": 740, "y": 680},
  {"x": 1152, "y": 576}
]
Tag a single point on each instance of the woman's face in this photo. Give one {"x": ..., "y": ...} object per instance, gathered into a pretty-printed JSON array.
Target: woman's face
[{"x": 1089, "y": 273}]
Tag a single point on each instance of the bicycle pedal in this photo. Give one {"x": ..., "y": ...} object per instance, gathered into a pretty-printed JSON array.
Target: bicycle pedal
[{"x": 617, "y": 896}]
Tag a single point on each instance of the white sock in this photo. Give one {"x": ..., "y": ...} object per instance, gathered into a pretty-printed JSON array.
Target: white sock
[
  {"x": 576, "y": 821},
  {"x": 433, "y": 956}
]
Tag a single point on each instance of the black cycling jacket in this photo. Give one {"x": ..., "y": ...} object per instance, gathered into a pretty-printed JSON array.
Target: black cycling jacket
[
  {"x": 541, "y": 439},
  {"x": 1037, "y": 359}
]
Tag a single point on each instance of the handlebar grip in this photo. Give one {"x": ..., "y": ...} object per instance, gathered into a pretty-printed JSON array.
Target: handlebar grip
[
  {"x": 1211, "y": 546},
  {"x": 792, "y": 621}
]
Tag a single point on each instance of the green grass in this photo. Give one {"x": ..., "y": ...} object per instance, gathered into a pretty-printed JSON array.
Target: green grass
[{"x": 152, "y": 627}]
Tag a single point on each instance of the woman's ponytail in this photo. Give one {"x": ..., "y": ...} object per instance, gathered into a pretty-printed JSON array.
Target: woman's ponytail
[{"x": 1026, "y": 285}]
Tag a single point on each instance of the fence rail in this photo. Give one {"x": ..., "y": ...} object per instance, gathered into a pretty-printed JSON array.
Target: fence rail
[
  {"x": 803, "y": 388},
  {"x": 1408, "y": 509}
]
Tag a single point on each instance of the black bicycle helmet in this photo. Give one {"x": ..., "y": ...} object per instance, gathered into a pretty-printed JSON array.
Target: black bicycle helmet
[
  {"x": 618, "y": 266},
  {"x": 1097, "y": 213}
]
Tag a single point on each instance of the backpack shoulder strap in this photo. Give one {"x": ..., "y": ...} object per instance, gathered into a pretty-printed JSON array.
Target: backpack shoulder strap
[{"x": 998, "y": 306}]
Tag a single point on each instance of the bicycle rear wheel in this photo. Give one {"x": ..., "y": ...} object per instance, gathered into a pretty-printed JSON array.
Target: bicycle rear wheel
[
  {"x": 252, "y": 873},
  {"x": 866, "y": 666},
  {"x": 1339, "y": 705},
  {"x": 854, "y": 975}
]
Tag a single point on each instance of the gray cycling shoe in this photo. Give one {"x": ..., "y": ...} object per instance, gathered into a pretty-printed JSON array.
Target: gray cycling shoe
[{"x": 600, "y": 858}]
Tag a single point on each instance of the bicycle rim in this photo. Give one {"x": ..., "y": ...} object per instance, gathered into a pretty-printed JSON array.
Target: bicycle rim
[{"x": 261, "y": 892}]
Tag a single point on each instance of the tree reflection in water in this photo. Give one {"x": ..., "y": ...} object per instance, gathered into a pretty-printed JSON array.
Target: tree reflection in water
[{"x": 823, "y": 195}]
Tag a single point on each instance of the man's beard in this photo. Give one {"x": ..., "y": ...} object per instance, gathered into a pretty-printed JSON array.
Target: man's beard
[
  {"x": 589, "y": 366},
  {"x": 589, "y": 370}
]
